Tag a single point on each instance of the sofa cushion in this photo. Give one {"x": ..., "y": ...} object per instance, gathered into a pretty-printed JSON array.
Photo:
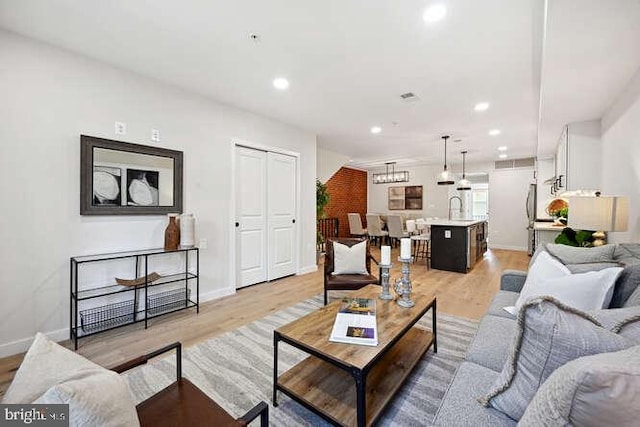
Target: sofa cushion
[
  {"x": 501, "y": 300},
  {"x": 548, "y": 335},
  {"x": 591, "y": 266},
  {"x": 598, "y": 390},
  {"x": 50, "y": 373},
  {"x": 626, "y": 285},
  {"x": 492, "y": 343},
  {"x": 579, "y": 255},
  {"x": 627, "y": 253},
  {"x": 460, "y": 405},
  {"x": 623, "y": 321},
  {"x": 634, "y": 299}
]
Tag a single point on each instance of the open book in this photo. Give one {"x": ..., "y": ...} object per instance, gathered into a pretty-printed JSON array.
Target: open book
[{"x": 356, "y": 322}]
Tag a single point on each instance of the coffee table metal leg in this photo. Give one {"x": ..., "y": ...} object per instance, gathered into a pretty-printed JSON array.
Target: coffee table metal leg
[
  {"x": 276, "y": 338},
  {"x": 435, "y": 328},
  {"x": 361, "y": 397}
]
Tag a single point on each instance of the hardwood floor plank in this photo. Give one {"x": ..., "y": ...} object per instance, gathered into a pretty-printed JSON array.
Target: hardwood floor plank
[{"x": 466, "y": 295}]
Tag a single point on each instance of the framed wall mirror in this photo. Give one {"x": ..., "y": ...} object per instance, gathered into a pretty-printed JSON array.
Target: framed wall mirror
[{"x": 120, "y": 178}]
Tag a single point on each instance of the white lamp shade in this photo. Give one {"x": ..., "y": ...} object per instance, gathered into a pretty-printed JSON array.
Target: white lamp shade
[{"x": 604, "y": 213}]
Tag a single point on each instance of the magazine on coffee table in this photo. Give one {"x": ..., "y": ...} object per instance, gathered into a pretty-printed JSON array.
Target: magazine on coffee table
[{"x": 356, "y": 322}]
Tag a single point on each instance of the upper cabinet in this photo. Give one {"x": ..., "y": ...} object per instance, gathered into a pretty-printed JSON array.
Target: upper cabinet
[{"x": 577, "y": 160}]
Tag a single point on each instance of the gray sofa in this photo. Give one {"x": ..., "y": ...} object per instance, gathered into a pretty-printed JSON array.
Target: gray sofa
[{"x": 494, "y": 339}]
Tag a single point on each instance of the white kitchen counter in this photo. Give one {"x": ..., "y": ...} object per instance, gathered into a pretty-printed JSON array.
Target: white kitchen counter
[
  {"x": 550, "y": 226},
  {"x": 454, "y": 222}
]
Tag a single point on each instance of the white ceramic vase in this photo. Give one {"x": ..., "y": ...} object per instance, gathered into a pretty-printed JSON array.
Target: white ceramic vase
[{"x": 187, "y": 231}]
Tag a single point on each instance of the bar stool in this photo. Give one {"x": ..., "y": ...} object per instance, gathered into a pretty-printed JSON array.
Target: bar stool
[{"x": 421, "y": 248}]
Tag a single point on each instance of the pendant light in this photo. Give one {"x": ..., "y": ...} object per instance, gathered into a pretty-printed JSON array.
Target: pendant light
[
  {"x": 464, "y": 183},
  {"x": 444, "y": 178}
]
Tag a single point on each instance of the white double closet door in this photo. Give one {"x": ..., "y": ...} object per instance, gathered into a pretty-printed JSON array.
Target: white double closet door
[{"x": 266, "y": 200}]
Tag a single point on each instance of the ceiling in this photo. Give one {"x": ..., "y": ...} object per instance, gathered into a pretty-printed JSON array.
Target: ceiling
[{"x": 348, "y": 62}]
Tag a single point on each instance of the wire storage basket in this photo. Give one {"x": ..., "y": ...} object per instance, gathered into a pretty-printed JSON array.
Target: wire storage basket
[
  {"x": 168, "y": 301},
  {"x": 107, "y": 316}
]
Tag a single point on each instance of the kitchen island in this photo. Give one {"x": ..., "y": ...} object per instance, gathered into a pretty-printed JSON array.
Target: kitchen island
[{"x": 456, "y": 245}]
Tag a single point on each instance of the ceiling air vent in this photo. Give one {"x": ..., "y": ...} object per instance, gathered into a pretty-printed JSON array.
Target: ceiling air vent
[
  {"x": 409, "y": 97},
  {"x": 527, "y": 162}
]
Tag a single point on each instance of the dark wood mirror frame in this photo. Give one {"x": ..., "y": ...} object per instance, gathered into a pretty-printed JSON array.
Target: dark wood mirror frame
[{"x": 87, "y": 207}]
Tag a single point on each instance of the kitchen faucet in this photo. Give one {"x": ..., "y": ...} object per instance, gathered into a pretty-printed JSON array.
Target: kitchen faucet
[{"x": 450, "y": 200}]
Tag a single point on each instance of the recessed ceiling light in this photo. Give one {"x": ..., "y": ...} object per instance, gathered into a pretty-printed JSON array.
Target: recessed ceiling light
[
  {"x": 502, "y": 148},
  {"x": 376, "y": 129},
  {"x": 494, "y": 132},
  {"x": 503, "y": 156},
  {"x": 281, "y": 83},
  {"x": 434, "y": 13},
  {"x": 481, "y": 106}
]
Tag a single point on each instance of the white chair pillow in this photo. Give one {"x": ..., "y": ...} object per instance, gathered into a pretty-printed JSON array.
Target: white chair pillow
[{"x": 350, "y": 260}]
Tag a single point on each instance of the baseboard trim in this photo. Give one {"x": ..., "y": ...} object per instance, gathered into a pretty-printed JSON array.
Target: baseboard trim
[
  {"x": 218, "y": 293},
  {"x": 22, "y": 345},
  {"x": 508, "y": 247},
  {"x": 307, "y": 269}
]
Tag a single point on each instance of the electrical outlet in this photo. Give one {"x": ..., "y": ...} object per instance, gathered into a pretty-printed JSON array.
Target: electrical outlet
[
  {"x": 155, "y": 135},
  {"x": 203, "y": 244},
  {"x": 121, "y": 128},
  {"x": 447, "y": 234}
]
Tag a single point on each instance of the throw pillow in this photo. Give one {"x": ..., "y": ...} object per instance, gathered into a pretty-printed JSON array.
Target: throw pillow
[
  {"x": 94, "y": 399},
  {"x": 579, "y": 255},
  {"x": 586, "y": 291},
  {"x": 598, "y": 390},
  {"x": 350, "y": 260},
  {"x": 548, "y": 335},
  {"x": 626, "y": 285},
  {"x": 49, "y": 370},
  {"x": 634, "y": 299}
]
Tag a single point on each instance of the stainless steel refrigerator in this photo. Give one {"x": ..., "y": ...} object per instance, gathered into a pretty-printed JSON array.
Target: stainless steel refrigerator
[{"x": 531, "y": 218}]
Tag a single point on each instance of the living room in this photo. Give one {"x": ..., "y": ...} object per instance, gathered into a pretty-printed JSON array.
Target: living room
[{"x": 69, "y": 71}]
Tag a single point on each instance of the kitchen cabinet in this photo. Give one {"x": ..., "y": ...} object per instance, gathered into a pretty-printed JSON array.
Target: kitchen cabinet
[
  {"x": 457, "y": 245},
  {"x": 577, "y": 157}
]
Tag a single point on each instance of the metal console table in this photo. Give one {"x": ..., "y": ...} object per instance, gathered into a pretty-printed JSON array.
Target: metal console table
[{"x": 99, "y": 302}]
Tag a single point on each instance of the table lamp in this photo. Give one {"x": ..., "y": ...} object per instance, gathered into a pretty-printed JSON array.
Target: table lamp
[{"x": 599, "y": 213}]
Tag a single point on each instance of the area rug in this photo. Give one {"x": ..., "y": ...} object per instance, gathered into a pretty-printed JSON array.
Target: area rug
[{"x": 236, "y": 370}]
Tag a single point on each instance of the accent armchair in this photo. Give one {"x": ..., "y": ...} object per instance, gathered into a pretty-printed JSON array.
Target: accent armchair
[
  {"x": 346, "y": 282},
  {"x": 183, "y": 404}
]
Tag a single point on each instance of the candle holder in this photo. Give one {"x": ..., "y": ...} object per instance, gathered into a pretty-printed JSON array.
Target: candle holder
[
  {"x": 403, "y": 285},
  {"x": 384, "y": 279}
]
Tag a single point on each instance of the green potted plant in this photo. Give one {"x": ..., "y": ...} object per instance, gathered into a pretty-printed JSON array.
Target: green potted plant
[{"x": 322, "y": 200}]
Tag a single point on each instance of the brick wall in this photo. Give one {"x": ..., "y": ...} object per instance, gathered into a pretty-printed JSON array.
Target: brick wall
[{"x": 347, "y": 189}]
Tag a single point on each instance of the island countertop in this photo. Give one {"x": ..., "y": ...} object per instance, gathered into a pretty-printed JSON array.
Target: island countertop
[
  {"x": 454, "y": 222},
  {"x": 548, "y": 226}
]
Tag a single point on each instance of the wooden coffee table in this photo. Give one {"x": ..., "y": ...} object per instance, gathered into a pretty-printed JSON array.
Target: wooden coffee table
[{"x": 350, "y": 384}]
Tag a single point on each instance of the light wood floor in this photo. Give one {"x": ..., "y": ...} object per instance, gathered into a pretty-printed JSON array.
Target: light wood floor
[{"x": 466, "y": 295}]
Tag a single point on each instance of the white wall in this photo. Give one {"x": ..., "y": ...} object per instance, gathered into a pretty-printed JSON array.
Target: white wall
[
  {"x": 328, "y": 163},
  {"x": 621, "y": 156},
  {"x": 50, "y": 97},
  {"x": 507, "y": 208},
  {"x": 434, "y": 197}
]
